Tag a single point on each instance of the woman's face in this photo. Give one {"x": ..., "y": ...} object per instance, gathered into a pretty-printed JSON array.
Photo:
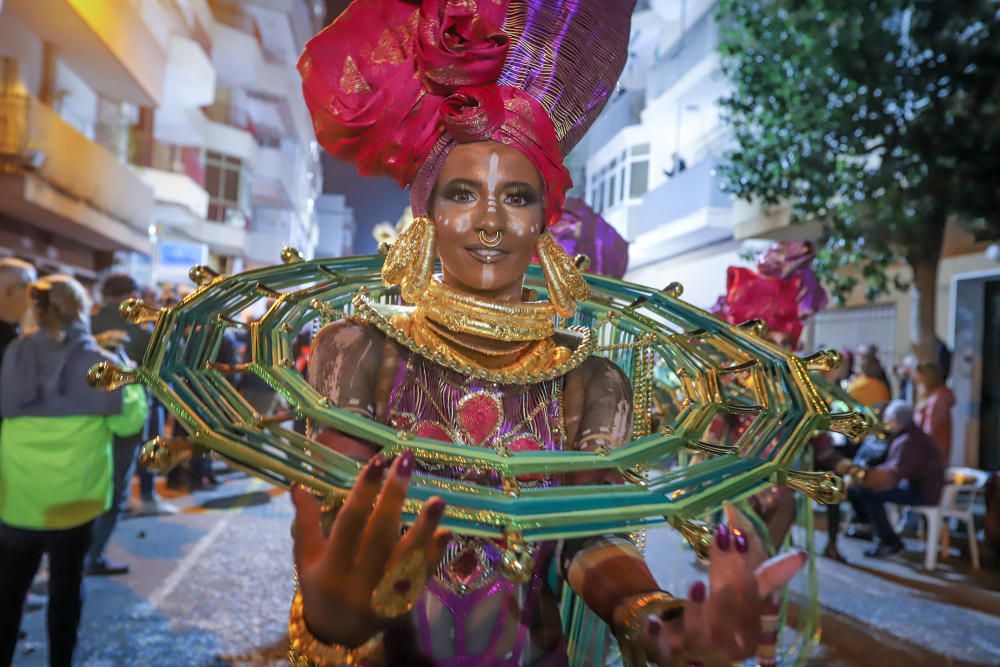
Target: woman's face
[{"x": 487, "y": 189}]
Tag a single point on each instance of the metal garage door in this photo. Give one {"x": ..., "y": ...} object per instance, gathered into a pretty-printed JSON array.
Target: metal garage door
[{"x": 862, "y": 325}]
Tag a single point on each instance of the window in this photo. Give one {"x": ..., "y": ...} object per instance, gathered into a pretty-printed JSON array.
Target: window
[
  {"x": 621, "y": 181},
  {"x": 639, "y": 179},
  {"x": 224, "y": 183}
]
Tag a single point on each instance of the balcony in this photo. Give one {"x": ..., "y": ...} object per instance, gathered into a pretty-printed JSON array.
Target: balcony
[
  {"x": 62, "y": 181},
  {"x": 698, "y": 42},
  {"x": 236, "y": 54},
  {"x": 221, "y": 238},
  {"x": 274, "y": 181},
  {"x": 108, "y": 43},
  {"x": 623, "y": 110},
  {"x": 190, "y": 77},
  {"x": 175, "y": 190},
  {"x": 686, "y": 212}
]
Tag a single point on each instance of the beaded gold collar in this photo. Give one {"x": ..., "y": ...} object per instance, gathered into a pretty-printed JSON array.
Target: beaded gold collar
[{"x": 543, "y": 359}]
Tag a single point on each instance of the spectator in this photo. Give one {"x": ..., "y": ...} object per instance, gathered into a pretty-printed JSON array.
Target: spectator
[
  {"x": 870, "y": 387},
  {"x": 934, "y": 407},
  {"x": 905, "y": 372},
  {"x": 942, "y": 356},
  {"x": 912, "y": 474},
  {"x": 677, "y": 165},
  {"x": 55, "y": 460},
  {"x": 15, "y": 276},
  {"x": 129, "y": 342}
]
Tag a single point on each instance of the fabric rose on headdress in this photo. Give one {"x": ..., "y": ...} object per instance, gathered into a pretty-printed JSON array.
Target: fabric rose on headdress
[
  {"x": 459, "y": 46},
  {"x": 474, "y": 114},
  {"x": 393, "y": 85}
]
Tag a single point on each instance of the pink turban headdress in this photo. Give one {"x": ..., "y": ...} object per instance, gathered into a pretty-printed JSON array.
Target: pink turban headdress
[{"x": 393, "y": 85}]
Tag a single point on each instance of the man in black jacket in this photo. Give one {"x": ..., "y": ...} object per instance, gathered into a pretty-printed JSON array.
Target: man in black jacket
[{"x": 134, "y": 340}]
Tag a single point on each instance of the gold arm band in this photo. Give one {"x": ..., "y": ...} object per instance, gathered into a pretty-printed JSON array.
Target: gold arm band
[
  {"x": 305, "y": 650},
  {"x": 629, "y": 621}
]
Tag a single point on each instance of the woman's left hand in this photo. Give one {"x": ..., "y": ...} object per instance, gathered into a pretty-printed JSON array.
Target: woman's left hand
[{"x": 722, "y": 622}]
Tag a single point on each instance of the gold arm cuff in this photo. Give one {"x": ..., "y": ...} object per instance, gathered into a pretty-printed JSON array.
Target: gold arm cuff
[
  {"x": 628, "y": 621},
  {"x": 305, "y": 650}
]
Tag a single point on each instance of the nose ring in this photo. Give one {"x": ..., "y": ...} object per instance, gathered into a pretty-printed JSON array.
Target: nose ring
[{"x": 491, "y": 241}]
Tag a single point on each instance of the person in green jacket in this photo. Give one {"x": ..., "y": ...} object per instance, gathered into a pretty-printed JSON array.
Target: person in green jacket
[{"x": 55, "y": 460}]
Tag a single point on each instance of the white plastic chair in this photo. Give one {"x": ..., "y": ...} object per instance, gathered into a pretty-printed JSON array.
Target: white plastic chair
[{"x": 957, "y": 499}]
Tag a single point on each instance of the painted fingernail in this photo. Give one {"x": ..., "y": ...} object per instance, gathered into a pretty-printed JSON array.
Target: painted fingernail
[
  {"x": 722, "y": 536},
  {"x": 697, "y": 592},
  {"x": 435, "y": 509},
  {"x": 654, "y": 625},
  {"x": 405, "y": 467},
  {"x": 376, "y": 466},
  {"x": 740, "y": 540}
]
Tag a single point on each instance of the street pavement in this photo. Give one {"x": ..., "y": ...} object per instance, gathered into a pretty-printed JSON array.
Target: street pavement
[{"x": 210, "y": 586}]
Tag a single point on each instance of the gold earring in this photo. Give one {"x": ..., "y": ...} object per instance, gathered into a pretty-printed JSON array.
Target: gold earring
[
  {"x": 566, "y": 285},
  {"x": 410, "y": 260}
]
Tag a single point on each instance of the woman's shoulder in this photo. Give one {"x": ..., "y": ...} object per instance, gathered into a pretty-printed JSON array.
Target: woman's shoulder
[{"x": 344, "y": 335}]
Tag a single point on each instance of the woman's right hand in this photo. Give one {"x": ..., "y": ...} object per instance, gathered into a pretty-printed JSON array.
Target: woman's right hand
[{"x": 338, "y": 572}]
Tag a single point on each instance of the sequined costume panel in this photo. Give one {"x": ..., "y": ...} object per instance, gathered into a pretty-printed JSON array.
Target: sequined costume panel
[{"x": 470, "y": 614}]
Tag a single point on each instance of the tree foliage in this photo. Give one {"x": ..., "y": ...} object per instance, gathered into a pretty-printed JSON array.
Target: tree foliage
[{"x": 878, "y": 119}]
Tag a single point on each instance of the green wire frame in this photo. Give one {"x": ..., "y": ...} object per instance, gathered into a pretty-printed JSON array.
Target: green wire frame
[{"x": 179, "y": 368}]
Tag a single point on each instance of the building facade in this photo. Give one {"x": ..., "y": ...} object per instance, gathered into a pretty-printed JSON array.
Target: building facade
[
  {"x": 151, "y": 133},
  {"x": 648, "y": 166},
  {"x": 649, "y": 161}
]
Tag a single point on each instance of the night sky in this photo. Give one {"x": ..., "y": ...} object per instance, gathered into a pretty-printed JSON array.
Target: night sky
[{"x": 374, "y": 200}]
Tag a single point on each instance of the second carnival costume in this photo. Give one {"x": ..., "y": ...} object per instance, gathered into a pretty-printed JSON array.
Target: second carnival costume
[{"x": 393, "y": 87}]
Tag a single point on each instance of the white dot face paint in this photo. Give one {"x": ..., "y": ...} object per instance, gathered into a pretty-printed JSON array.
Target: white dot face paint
[{"x": 489, "y": 276}]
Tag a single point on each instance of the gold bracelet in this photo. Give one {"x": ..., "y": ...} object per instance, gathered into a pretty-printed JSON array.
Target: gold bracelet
[
  {"x": 628, "y": 621},
  {"x": 305, "y": 650}
]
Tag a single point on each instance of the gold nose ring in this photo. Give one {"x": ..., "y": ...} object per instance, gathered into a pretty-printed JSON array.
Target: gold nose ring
[{"x": 491, "y": 242}]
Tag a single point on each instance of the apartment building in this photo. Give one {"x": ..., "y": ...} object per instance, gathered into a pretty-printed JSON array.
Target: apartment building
[{"x": 155, "y": 133}]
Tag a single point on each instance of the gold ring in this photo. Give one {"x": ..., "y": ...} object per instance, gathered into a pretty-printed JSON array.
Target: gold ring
[
  {"x": 401, "y": 586},
  {"x": 491, "y": 242}
]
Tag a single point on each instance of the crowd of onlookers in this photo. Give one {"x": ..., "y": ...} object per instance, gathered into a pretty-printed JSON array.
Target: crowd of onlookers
[
  {"x": 69, "y": 453},
  {"x": 908, "y": 466}
]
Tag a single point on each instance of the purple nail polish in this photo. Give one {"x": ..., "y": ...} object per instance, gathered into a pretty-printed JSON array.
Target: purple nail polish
[
  {"x": 405, "y": 467},
  {"x": 654, "y": 625},
  {"x": 376, "y": 466},
  {"x": 740, "y": 540},
  {"x": 435, "y": 509},
  {"x": 697, "y": 592},
  {"x": 722, "y": 537}
]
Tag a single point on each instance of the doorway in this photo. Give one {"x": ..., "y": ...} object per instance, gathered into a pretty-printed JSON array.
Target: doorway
[{"x": 989, "y": 434}]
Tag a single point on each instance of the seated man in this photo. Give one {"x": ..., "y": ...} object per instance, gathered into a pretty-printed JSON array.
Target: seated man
[{"x": 912, "y": 474}]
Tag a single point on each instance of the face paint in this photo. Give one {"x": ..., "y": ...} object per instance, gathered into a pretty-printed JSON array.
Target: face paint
[{"x": 491, "y": 183}]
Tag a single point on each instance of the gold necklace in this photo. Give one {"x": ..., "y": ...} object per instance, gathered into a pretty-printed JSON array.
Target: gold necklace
[
  {"x": 500, "y": 320},
  {"x": 543, "y": 359},
  {"x": 446, "y": 334}
]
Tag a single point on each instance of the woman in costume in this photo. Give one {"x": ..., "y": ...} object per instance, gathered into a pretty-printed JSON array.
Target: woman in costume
[{"x": 472, "y": 104}]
